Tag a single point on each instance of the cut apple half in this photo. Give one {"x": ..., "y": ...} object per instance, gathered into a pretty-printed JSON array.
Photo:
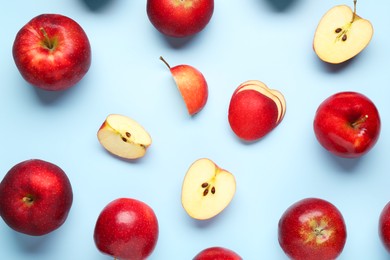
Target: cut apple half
[
  {"x": 341, "y": 34},
  {"x": 207, "y": 189},
  {"x": 124, "y": 137}
]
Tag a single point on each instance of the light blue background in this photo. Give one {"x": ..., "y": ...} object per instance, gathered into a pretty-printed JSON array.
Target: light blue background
[{"x": 251, "y": 39}]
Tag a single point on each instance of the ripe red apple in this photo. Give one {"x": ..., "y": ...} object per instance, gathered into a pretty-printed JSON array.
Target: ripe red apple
[
  {"x": 384, "y": 226},
  {"x": 217, "y": 253},
  {"x": 126, "y": 229},
  {"x": 179, "y": 18},
  {"x": 347, "y": 124},
  {"x": 312, "y": 228},
  {"x": 36, "y": 197},
  {"x": 52, "y": 52},
  {"x": 255, "y": 110},
  {"x": 192, "y": 86}
]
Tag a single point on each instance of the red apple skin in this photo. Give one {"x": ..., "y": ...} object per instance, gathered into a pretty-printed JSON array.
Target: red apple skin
[
  {"x": 192, "y": 86},
  {"x": 347, "y": 124},
  {"x": 55, "y": 67},
  {"x": 36, "y": 197},
  {"x": 252, "y": 115},
  {"x": 217, "y": 253},
  {"x": 179, "y": 18},
  {"x": 126, "y": 229},
  {"x": 384, "y": 227},
  {"x": 312, "y": 228}
]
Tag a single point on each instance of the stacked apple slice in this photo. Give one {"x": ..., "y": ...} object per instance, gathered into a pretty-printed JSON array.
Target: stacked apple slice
[
  {"x": 255, "y": 110},
  {"x": 207, "y": 189},
  {"x": 124, "y": 137}
]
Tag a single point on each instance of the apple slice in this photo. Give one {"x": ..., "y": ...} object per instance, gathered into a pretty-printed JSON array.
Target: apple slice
[
  {"x": 124, "y": 137},
  {"x": 192, "y": 86},
  {"x": 255, "y": 110},
  {"x": 207, "y": 189},
  {"x": 341, "y": 34}
]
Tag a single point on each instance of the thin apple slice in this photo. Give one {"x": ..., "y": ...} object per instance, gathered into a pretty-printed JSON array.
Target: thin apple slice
[
  {"x": 341, "y": 34},
  {"x": 124, "y": 137},
  {"x": 207, "y": 189}
]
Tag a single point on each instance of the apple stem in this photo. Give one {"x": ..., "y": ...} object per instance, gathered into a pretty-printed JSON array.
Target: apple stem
[
  {"x": 166, "y": 63},
  {"x": 48, "y": 43},
  {"x": 359, "y": 121},
  {"x": 354, "y": 10}
]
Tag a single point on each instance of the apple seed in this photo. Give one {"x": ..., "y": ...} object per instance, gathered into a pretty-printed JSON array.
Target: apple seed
[
  {"x": 338, "y": 30},
  {"x": 205, "y": 185},
  {"x": 205, "y": 192},
  {"x": 213, "y": 190}
]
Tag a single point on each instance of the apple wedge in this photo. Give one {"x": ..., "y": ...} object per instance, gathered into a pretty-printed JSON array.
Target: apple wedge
[
  {"x": 207, "y": 189},
  {"x": 124, "y": 137},
  {"x": 341, "y": 34}
]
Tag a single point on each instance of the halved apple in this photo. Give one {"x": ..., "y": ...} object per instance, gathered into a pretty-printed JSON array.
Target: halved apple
[
  {"x": 124, "y": 137},
  {"x": 341, "y": 34},
  {"x": 207, "y": 189}
]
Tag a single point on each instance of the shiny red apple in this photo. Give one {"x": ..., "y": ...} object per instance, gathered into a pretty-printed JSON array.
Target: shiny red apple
[
  {"x": 179, "y": 18},
  {"x": 36, "y": 197},
  {"x": 312, "y": 229},
  {"x": 347, "y": 124},
  {"x": 126, "y": 229},
  {"x": 384, "y": 226},
  {"x": 217, "y": 253},
  {"x": 52, "y": 52}
]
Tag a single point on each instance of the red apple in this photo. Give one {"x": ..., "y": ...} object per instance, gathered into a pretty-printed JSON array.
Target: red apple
[
  {"x": 347, "y": 124},
  {"x": 179, "y": 18},
  {"x": 52, "y": 52},
  {"x": 255, "y": 110},
  {"x": 217, "y": 253},
  {"x": 384, "y": 227},
  {"x": 192, "y": 86},
  {"x": 36, "y": 197},
  {"x": 126, "y": 229},
  {"x": 312, "y": 228}
]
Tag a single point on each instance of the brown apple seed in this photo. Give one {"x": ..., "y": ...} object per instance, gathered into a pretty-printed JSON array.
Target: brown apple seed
[
  {"x": 213, "y": 190},
  {"x": 205, "y": 184},
  {"x": 128, "y": 134},
  {"x": 344, "y": 38},
  {"x": 205, "y": 192},
  {"x": 338, "y": 30}
]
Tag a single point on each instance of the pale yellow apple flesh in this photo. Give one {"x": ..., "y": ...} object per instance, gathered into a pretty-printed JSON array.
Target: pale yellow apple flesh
[
  {"x": 273, "y": 94},
  {"x": 341, "y": 34},
  {"x": 124, "y": 137},
  {"x": 207, "y": 189}
]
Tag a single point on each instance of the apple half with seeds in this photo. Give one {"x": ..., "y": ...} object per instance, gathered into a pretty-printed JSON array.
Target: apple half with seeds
[
  {"x": 255, "y": 110},
  {"x": 124, "y": 137},
  {"x": 207, "y": 189},
  {"x": 341, "y": 34}
]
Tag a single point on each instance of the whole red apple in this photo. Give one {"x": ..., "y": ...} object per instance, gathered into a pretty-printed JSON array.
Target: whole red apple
[
  {"x": 36, "y": 197},
  {"x": 217, "y": 253},
  {"x": 126, "y": 229},
  {"x": 384, "y": 226},
  {"x": 52, "y": 52},
  {"x": 312, "y": 228},
  {"x": 192, "y": 86},
  {"x": 179, "y": 18},
  {"x": 347, "y": 124}
]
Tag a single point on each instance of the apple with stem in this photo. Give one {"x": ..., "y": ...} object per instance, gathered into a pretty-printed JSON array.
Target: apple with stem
[
  {"x": 341, "y": 34},
  {"x": 191, "y": 84},
  {"x": 255, "y": 110},
  {"x": 217, "y": 253},
  {"x": 312, "y": 229},
  {"x": 347, "y": 124},
  {"x": 207, "y": 189},
  {"x": 126, "y": 229},
  {"x": 36, "y": 197},
  {"x": 179, "y": 18},
  {"x": 52, "y": 52},
  {"x": 124, "y": 137}
]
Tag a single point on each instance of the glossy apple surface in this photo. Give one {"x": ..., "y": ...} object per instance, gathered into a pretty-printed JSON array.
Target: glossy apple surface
[
  {"x": 52, "y": 52},
  {"x": 126, "y": 229},
  {"x": 384, "y": 227},
  {"x": 36, "y": 197},
  {"x": 179, "y": 18},
  {"x": 312, "y": 229},
  {"x": 217, "y": 253},
  {"x": 347, "y": 124}
]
